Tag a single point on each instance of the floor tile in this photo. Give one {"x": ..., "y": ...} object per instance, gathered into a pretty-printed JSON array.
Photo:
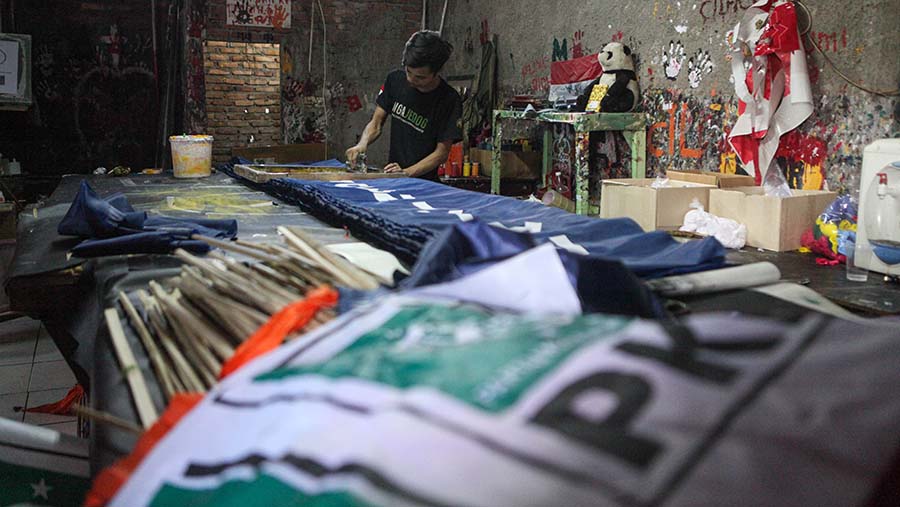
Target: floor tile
[
  {"x": 14, "y": 378},
  {"x": 17, "y": 340},
  {"x": 51, "y": 375},
  {"x": 68, "y": 428},
  {"x": 17, "y": 352},
  {"x": 8, "y": 401},
  {"x": 46, "y": 349},
  {"x": 37, "y": 398}
]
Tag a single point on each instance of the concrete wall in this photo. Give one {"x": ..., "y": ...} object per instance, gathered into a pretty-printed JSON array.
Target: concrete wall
[{"x": 691, "y": 112}]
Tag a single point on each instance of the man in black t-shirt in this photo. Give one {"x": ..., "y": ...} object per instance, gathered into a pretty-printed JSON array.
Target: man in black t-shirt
[{"x": 423, "y": 107}]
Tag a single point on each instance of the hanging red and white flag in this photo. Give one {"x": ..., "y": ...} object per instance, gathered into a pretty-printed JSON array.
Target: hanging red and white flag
[{"x": 771, "y": 82}]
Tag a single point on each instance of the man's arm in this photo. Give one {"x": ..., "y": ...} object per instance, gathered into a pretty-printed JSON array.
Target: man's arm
[
  {"x": 369, "y": 135},
  {"x": 427, "y": 164}
]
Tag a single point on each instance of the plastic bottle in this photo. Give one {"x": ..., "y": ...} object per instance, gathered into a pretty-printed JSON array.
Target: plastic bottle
[
  {"x": 467, "y": 168},
  {"x": 476, "y": 169}
]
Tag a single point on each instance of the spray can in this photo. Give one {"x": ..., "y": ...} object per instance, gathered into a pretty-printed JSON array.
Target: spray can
[
  {"x": 467, "y": 168},
  {"x": 476, "y": 169}
]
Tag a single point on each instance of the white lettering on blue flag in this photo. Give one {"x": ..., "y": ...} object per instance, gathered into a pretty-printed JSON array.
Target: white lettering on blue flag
[
  {"x": 529, "y": 227},
  {"x": 462, "y": 215},
  {"x": 565, "y": 243},
  {"x": 380, "y": 195}
]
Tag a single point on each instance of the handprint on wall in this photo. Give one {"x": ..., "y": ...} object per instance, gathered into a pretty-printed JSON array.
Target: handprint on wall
[
  {"x": 279, "y": 17},
  {"x": 673, "y": 59},
  {"x": 241, "y": 12},
  {"x": 577, "y": 48},
  {"x": 698, "y": 66}
]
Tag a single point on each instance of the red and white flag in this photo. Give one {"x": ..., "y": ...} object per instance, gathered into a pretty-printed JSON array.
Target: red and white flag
[
  {"x": 771, "y": 82},
  {"x": 568, "y": 79}
]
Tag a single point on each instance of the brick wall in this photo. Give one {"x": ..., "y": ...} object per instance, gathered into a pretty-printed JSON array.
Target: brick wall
[{"x": 243, "y": 99}]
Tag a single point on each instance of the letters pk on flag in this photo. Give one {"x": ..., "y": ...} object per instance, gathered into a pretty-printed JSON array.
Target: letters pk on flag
[
  {"x": 568, "y": 79},
  {"x": 418, "y": 402}
]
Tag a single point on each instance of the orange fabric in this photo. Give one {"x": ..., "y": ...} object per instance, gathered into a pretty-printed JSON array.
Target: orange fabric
[
  {"x": 63, "y": 406},
  {"x": 108, "y": 482},
  {"x": 289, "y": 319}
]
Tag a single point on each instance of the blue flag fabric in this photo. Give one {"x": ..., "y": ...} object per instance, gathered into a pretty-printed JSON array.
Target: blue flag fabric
[
  {"x": 602, "y": 286},
  {"x": 112, "y": 227},
  {"x": 401, "y": 215}
]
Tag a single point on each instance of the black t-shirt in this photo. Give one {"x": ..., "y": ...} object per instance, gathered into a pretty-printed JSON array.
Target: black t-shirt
[{"x": 419, "y": 120}]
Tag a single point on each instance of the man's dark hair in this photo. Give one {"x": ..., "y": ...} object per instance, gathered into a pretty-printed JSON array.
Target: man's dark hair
[{"x": 426, "y": 48}]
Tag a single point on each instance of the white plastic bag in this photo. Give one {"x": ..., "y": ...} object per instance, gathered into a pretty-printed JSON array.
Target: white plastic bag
[
  {"x": 774, "y": 183},
  {"x": 730, "y": 233},
  {"x": 662, "y": 181}
]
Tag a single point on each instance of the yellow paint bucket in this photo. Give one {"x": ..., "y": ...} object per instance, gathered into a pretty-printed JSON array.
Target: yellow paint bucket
[{"x": 191, "y": 156}]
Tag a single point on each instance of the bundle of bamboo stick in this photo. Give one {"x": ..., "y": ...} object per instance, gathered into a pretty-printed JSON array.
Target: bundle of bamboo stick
[{"x": 191, "y": 324}]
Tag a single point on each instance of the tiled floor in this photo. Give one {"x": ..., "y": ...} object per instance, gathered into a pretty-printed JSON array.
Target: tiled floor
[{"x": 32, "y": 373}]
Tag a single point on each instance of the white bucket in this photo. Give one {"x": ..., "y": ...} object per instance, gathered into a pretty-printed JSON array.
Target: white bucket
[{"x": 191, "y": 156}]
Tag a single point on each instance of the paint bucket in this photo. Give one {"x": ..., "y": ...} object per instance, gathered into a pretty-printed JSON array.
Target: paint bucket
[{"x": 191, "y": 156}]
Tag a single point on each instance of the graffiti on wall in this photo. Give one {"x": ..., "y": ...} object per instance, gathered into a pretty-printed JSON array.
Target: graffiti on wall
[
  {"x": 800, "y": 157},
  {"x": 686, "y": 132},
  {"x": 722, "y": 9},
  {"x": 536, "y": 74},
  {"x": 560, "y": 50},
  {"x": 267, "y": 13},
  {"x": 94, "y": 91},
  {"x": 563, "y": 150},
  {"x": 833, "y": 41},
  {"x": 303, "y": 121},
  {"x": 690, "y": 132}
]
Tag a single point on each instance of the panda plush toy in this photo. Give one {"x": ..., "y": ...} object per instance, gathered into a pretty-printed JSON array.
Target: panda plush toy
[{"x": 616, "y": 90}]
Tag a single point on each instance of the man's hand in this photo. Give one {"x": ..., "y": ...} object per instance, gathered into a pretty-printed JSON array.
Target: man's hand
[
  {"x": 393, "y": 167},
  {"x": 352, "y": 154}
]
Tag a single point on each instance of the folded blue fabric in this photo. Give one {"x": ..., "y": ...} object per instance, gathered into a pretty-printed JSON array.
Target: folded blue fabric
[
  {"x": 112, "y": 227},
  {"x": 401, "y": 215},
  {"x": 602, "y": 285}
]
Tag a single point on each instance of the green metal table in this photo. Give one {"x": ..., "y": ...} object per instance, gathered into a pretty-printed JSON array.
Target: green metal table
[{"x": 633, "y": 125}]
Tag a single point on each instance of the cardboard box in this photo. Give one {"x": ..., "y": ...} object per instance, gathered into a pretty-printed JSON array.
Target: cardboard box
[
  {"x": 652, "y": 208},
  {"x": 773, "y": 223},
  {"x": 721, "y": 180},
  {"x": 513, "y": 164}
]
